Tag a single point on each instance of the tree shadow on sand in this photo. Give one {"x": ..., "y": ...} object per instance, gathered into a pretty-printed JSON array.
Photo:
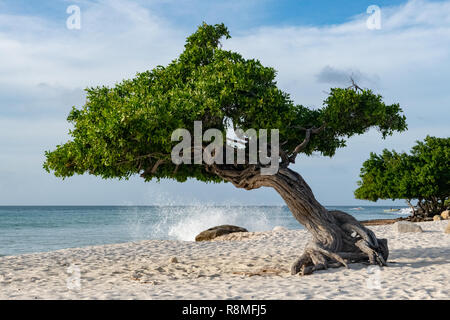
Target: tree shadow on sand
[{"x": 424, "y": 257}]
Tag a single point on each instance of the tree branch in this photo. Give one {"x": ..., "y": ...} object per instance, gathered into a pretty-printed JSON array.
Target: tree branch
[
  {"x": 150, "y": 155},
  {"x": 157, "y": 164},
  {"x": 305, "y": 141},
  {"x": 354, "y": 85},
  {"x": 153, "y": 169}
]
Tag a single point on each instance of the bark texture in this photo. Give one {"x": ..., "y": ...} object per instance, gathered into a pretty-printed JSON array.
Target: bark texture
[{"x": 338, "y": 238}]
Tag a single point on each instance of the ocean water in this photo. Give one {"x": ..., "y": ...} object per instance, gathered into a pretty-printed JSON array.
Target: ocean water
[{"x": 38, "y": 229}]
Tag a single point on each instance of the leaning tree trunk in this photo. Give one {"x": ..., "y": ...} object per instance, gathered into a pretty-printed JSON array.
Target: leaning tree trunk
[{"x": 338, "y": 238}]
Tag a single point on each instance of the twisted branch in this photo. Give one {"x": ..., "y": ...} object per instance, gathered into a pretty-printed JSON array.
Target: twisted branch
[{"x": 305, "y": 141}]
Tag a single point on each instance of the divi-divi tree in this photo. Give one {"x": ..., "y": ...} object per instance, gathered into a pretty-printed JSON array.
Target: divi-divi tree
[{"x": 127, "y": 130}]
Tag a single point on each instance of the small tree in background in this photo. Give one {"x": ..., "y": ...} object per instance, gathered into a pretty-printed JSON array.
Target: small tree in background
[
  {"x": 126, "y": 130},
  {"x": 422, "y": 175}
]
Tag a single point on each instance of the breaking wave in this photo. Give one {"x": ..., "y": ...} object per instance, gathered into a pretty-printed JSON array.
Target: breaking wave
[{"x": 184, "y": 223}]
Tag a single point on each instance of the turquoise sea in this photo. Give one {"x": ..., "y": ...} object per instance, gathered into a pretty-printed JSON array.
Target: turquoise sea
[{"x": 36, "y": 229}]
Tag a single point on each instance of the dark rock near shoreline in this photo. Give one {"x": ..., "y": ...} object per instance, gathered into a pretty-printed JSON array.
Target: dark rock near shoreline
[{"x": 215, "y": 232}]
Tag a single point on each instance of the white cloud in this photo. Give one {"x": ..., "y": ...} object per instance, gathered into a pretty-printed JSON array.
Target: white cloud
[
  {"x": 39, "y": 101},
  {"x": 409, "y": 56},
  {"x": 116, "y": 40}
]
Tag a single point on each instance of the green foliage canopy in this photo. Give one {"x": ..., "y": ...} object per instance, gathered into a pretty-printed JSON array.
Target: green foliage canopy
[
  {"x": 126, "y": 129},
  {"x": 424, "y": 174}
]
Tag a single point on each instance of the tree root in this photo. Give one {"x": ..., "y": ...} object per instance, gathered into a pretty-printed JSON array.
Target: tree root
[{"x": 358, "y": 244}]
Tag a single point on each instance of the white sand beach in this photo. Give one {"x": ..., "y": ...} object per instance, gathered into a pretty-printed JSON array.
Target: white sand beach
[{"x": 252, "y": 267}]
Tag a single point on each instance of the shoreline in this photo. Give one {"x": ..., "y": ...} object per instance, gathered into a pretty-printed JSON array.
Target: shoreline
[
  {"x": 50, "y": 228},
  {"x": 256, "y": 267},
  {"x": 371, "y": 222}
]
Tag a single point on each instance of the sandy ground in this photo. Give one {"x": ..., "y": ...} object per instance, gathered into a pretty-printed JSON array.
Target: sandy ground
[{"x": 419, "y": 269}]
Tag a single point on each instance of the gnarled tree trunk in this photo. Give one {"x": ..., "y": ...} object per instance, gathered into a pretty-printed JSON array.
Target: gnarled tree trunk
[{"x": 338, "y": 238}]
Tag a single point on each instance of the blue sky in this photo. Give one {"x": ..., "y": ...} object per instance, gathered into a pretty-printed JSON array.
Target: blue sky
[
  {"x": 314, "y": 45},
  {"x": 236, "y": 14}
]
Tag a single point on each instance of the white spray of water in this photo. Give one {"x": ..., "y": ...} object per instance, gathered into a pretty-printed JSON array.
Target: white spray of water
[
  {"x": 184, "y": 223},
  {"x": 168, "y": 220},
  {"x": 404, "y": 211}
]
